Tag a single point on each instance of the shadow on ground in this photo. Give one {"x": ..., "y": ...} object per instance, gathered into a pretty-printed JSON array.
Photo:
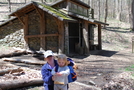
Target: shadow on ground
[{"x": 106, "y": 53}]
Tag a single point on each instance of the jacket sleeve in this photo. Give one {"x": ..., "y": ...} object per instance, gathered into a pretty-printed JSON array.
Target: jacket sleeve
[
  {"x": 66, "y": 72},
  {"x": 46, "y": 76}
]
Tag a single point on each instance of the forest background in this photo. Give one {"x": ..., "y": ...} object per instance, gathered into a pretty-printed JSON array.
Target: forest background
[{"x": 121, "y": 10}]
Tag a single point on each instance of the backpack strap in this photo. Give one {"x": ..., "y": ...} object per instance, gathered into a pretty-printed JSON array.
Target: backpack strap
[
  {"x": 56, "y": 68},
  {"x": 71, "y": 62}
]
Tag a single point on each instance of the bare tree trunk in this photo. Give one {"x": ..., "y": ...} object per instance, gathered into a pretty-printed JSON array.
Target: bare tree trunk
[
  {"x": 132, "y": 15},
  {"x": 99, "y": 9},
  {"x": 106, "y": 12},
  {"x": 116, "y": 8},
  {"x": 9, "y": 5},
  {"x": 25, "y": 1},
  {"x": 89, "y": 2},
  {"x": 42, "y": 1}
]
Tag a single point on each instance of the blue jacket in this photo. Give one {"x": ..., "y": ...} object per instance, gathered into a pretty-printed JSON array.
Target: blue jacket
[{"x": 47, "y": 76}]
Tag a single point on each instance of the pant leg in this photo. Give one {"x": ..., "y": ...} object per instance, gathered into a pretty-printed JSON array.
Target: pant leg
[
  {"x": 56, "y": 87},
  {"x": 48, "y": 87},
  {"x": 63, "y": 87}
]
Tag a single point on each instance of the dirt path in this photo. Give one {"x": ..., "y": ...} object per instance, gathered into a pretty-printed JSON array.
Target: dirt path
[{"x": 98, "y": 70}]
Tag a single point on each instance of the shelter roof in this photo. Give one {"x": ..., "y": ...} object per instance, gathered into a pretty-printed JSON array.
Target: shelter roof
[
  {"x": 32, "y": 6},
  {"x": 90, "y": 20},
  {"x": 7, "y": 21}
]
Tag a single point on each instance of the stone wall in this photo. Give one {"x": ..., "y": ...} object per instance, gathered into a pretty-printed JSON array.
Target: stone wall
[
  {"x": 11, "y": 34},
  {"x": 34, "y": 29},
  {"x": 51, "y": 28}
]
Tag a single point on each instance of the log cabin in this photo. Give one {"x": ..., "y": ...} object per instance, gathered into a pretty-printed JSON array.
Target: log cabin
[{"x": 63, "y": 26}]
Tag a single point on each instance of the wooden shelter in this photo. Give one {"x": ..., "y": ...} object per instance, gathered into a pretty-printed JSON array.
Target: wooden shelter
[{"x": 64, "y": 26}]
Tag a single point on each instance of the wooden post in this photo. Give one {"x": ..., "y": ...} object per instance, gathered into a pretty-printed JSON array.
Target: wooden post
[
  {"x": 26, "y": 31},
  {"x": 85, "y": 38},
  {"x": 61, "y": 37},
  {"x": 42, "y": 30},
  {"x": 66, "y": 38},
  {"x": 99, "y": 37}
]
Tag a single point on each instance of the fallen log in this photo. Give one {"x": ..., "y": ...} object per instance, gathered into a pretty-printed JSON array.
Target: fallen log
[
  {"x": 24, "y": 61},
  {"x": 20, "y": 83},
  {"x": 15, "y": 53},
  {"x": 28, "y": 51},
  {"x": 10, "y": 70}
]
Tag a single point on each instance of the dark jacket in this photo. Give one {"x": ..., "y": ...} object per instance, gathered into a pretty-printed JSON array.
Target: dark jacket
[{"x": 47, "y": 76}]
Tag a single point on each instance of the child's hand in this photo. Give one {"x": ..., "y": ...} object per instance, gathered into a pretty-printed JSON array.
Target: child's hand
[{"x": 58, "y": 74}]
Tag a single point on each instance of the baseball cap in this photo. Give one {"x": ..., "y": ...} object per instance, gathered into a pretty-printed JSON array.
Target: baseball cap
[{"x": 48, "y": 53}]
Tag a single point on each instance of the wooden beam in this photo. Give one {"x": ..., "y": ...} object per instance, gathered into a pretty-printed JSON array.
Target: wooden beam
[
  {"x": 43, "y": 35},
  {"x": 99, "y": 37},
  {"x": 37, "y": 11},
  {"x": 19, "y": 18}
]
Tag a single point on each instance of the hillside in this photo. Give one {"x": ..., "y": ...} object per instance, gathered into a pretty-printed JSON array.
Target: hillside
[
  {"x": 117, "y": 36},
  {"x": 4, "y": 8}
]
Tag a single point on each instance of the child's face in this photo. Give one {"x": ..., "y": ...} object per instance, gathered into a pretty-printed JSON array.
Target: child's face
[{"x": 61, "y": 62}]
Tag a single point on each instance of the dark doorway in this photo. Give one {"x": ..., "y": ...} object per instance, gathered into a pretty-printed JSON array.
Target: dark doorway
[{"x": 73, "y": 36}]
